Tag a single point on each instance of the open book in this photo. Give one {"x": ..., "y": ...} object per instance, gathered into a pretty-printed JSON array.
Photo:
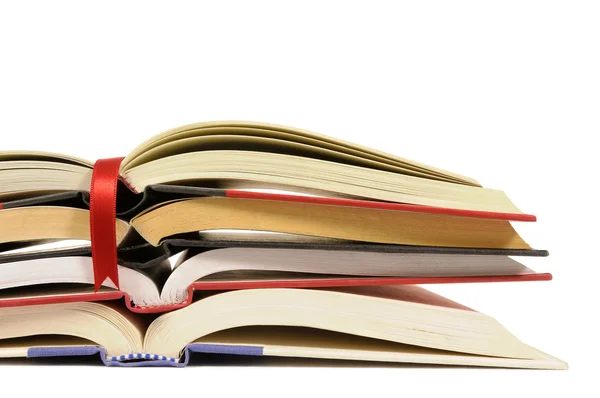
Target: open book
[
  {"x": 159, "y": 288},
  {"x": 391, "y": 324},
  {"x": 254, "y": 155},
  {"x": 421, "y": 227}
]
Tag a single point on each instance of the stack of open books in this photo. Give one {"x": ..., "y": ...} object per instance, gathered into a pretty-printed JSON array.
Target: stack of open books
[{"x": 253, "y": 239}]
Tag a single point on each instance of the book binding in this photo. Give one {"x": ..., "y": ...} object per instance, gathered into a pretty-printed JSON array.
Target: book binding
[{"x": 144, "y": 359}]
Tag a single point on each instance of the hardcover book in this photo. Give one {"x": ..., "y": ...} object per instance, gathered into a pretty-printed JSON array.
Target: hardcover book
[{"x": 385, "y": 323}]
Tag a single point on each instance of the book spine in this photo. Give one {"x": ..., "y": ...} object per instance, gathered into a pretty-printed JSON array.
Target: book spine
[{"x": 144, "y": 359}]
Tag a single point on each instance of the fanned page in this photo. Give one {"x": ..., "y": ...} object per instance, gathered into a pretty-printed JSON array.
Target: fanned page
[
  {"x": 182, "y": 139},
  {"x": 241, "y": 154},
  {"x": 30, "y": 173}
]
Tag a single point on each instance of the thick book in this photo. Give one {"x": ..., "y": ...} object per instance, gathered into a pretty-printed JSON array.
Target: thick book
[
  {"x": 253, "y": 155},
  {"x": 67, "y": 275},
  {"x": 421, "y": 226},
  {"x": 167, "y": 211},
  {"x": 387, "y": 324}
]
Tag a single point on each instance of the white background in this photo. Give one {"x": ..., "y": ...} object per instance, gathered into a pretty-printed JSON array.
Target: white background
[{"x": 506, "y": 92}]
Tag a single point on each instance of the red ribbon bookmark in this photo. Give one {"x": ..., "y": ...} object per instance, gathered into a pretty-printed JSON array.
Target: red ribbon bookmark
[{"x": 103, "y": 217}]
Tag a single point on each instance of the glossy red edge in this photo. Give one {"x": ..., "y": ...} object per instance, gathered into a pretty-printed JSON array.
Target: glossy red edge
[
  {"x": 61, "y": 299},
  {"x": 306, "y": 283},
  {"x": 239, "y": 194},
  {"x": 382, "y": 281}
]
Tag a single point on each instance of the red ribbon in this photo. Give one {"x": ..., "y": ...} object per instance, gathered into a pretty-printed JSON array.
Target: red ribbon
[{"x": 103, "y": 217}]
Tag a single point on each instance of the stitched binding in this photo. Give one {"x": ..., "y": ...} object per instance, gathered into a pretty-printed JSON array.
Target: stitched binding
[{"x": 152, "y": 357}]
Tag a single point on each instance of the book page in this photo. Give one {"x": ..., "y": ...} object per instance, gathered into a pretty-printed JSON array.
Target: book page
[{"x": 413, "y": 294}]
